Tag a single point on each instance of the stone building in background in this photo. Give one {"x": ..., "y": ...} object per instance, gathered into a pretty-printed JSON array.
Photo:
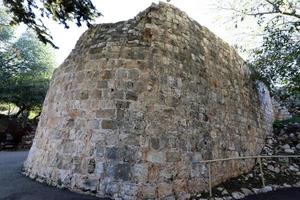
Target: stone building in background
[{"x": 138, "y": 104}]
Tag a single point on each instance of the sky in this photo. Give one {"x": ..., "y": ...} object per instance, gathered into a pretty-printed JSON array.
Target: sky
[{"x": 203, "y": 11}]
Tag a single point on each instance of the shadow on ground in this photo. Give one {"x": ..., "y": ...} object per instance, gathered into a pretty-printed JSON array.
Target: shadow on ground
[{"x": 282, "y": 194}]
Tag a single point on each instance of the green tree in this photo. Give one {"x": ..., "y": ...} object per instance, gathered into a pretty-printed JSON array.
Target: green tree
[
  {"x": 33, "y": 12},
  {"x": 26, "y": 67},
  {"x": 8, "y": 57},
  {"x": 6, "y": 31},
  {"x": 277, "y": 59},
  {"x": 27, "y": 86}
]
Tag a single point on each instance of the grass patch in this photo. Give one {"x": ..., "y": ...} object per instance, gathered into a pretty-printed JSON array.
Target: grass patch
[
  {"x": 8, "y": 108},
  {"x": 33, "y": 114}
]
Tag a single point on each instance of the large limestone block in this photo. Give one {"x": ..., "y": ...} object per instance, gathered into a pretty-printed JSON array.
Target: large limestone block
[{"x": 137, "y": 106}]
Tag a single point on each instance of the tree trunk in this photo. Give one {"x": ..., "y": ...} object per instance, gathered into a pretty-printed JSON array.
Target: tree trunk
[
  {"x": 22, "y": 109},
  {"x": 35, "y": 118}
]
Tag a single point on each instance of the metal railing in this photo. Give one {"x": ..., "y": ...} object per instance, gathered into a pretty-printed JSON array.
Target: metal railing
[{"x": 209, "y": 162}]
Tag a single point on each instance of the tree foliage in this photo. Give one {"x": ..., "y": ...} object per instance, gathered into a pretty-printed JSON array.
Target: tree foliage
[
  {"x": 277, "y": 60},
  {"x": 33, "y": 12},
  {"x": 26, "y": 67}
]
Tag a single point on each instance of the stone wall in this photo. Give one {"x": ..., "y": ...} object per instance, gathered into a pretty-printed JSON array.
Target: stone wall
[{"x": 138, "y": 104}]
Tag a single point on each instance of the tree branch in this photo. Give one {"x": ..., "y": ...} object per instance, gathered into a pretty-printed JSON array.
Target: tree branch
[{"x": 278, "y": 10}]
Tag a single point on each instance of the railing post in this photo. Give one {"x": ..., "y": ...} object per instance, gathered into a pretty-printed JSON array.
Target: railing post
[
  {"x": 209, "y": 179},
  {"x": 261, "y": 171}
]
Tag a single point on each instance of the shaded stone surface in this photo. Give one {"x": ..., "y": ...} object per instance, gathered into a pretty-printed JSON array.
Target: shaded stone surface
[{"x": 138, "y": 104}]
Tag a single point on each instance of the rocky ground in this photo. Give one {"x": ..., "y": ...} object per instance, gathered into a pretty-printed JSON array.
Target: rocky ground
[{"x": 278, "y": 172}]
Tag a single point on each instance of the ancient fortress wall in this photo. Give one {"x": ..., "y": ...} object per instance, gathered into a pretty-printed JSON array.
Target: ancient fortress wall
[{"x": 137, "y": 105}]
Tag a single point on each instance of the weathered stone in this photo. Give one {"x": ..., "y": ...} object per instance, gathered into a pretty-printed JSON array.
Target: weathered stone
[
  {"x": 164, "y": 190},
  {"x": 266, "y": 189},
  {"x": 96, "y": 94},
  {"x": 246, "y": 191},
  {"x": 122, "y": 104},
  {"x": 131, "y": 96},
  {"x": 91, "y": 166},
  {"x": 138, "y": 104},
  {"x": 133, "y": 74},
  {"x": 93, "y": 124},
  {"x": 273, "y": 169},
  {"x": 108, "y": 124},
  {"x": 155, "y": 143},
  {"x": 105, "y": 113},
  {"x": 102, "y": 84},
  {"x": 237, "y": 195},
  {"x": 156, "y": 157},
  {"x": 289, "y": 151},
  {"x": 84, "y": 95},
  {"x": 76, "y": 161},
  {"x": 293, "y": 168},
  {"x": 173, "y": 156},
  {"x": 106, "y": 74},
  {"x": 118, "y": 94},
  {"x": 69, "y": 147},
  {"x": 89, "y": 184},
  {"x": 112, "y": 153},
  {"x": 122, "y": 171},
  {"x": 286, "y": 146}
]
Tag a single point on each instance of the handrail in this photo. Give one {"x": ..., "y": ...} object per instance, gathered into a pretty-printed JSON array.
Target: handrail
[{"x": 258, "y": 157}]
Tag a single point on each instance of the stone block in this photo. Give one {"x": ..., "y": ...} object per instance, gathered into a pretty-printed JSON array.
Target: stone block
[
  {"x": 164, "y": 190},
  {"x": 84, "y": 95},
  {"x": 99, "y": 149},
  {"x": 129, "y": 85},
  {"x": 133, "y": 74},
  {"x": 120, "y": 114},
  {"x": 130, "y": 95},
  {"x": 96, "y": 94},
  {"x": 121, "y": 73},
  {"x": 117, "y": 94},
  {"x": 122, "y": 104},
  {"x": 66, "y": 162},
  {"x": 99, "y": 169},
  {"x": 120, "y": 171},
  {"x": 112, "y": 153},
  {"x": 140, "y": 172},
  {"x": 106, "y": 74},
  {"x": 149, "y": 192},
  {"x": 108, "y": 124},
  {"x": 106, "y": 113},
  {"x": 156, "y": 157},
  {"x": 91, "y": 166},
  {"x": 89, "y": 184},
  {"x": 102, "y": 84},
  {"x": 154, "y": 142},
  {"x": 93, "y": 124},
  {"x": 68, "y": 148},
  {"x": 173, "y": 156},
  {"x": 76, "y": 164},
  {"x": 128, "y": 154}
]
